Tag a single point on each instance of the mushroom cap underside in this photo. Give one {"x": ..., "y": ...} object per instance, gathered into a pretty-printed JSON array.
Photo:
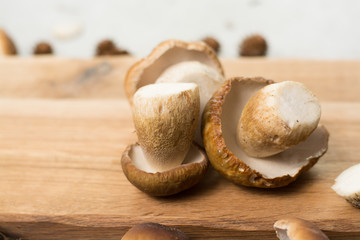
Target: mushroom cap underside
[{"x": 166, "y": 54}]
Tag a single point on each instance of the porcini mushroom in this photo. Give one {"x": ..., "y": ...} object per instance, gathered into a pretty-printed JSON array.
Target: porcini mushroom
[
  {"x": 298, "y": 229},
  {"x": 165, "y": 117},
  {"x": 220, "y": 124},
  {"x": 154, "y": 231},
  {"x": 347, "y": 185},
  {"x": 177, "y": 61},
  {"x": 7, "y": 46}
]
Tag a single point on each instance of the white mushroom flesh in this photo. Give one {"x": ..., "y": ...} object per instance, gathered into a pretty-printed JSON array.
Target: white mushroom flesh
[
  {"x": 207, "y": 78},
  {"x": 165, "y": 117},
  {"x": 347, "y": 185},
  {"x": 276, "y": 118},
  {"x": 288, "y": 162}
]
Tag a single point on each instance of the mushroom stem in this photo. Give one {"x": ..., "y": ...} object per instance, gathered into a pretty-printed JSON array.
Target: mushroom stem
[
  {"x": 207, "y": 78},
  {"x": 277, "y": 117},
  {"x": 165, "y": 117}
]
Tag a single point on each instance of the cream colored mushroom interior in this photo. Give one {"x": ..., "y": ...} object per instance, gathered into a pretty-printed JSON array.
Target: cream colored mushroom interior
[
  {"x": 137, "y": 156},
  {"x": 348, "y": 182},
  {"x": 288, "y": 162},
  {"x": 155, "y": 67}
]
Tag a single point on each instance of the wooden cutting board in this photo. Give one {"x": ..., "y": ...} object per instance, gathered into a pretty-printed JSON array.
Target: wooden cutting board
[{"x": 64, "y": 124}]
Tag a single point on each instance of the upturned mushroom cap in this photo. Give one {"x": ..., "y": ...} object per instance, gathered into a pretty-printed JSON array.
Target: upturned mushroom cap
[
  {"x": 7, "y": 46},
  {"x": 219, "y": 127},
  {"x": 277, "y": 117},
  {"x": 164, "y": 183},
  {"x": 166, "y": 54},
  {"x": 154, "y": 231},
  {"x": 298, "y": 229},
  {"x": 165, "y": 117},
  {"x": 347, "y": 185}
]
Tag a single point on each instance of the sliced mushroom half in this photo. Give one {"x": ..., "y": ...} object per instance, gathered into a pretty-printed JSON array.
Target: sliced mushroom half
[
  {"x": 220, "y": 122},
  {"x": 347, "y": 185}
]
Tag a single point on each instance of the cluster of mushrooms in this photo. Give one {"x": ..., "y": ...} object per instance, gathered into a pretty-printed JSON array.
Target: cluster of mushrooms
[
  {"x": 286, "y": 229},
  {"x": 255, "y": 132}
]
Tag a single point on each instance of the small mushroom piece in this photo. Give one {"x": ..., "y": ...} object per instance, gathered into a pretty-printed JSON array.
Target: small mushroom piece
[
  {"x": 219, "y": 129},
  {"x": 165, "y": 55},
  {"x": 7, "y": 46},
  {"x": 154, "y": 231},
  {"x": 165, "y": 117},
  {"x": 277, "y": 117},
  {"x": 298, "y": 229},
  {"x": 347, "y": 185}
]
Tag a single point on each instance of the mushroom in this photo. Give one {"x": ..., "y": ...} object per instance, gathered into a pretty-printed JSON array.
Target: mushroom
[
  {"x": 7, "y": 46},
  {"x": 298, "y": 229},
  {"x": 220, "y": 133},
  {"x": 154, "y": 231},
  {"x": 43, "y": 48},
  {"x": 347, "y": 185},
  {"x": 165, "y": 118},
  {"x": 253, "y": 46},
  {"x": 177, "y": 61}
]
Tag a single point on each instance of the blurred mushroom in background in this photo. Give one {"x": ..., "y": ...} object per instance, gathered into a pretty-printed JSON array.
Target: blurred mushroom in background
[
  {"x": 7, "y": 46},
  {"x": 42, "y": 48},
  {"x": 213, "y": 43},
  {"x": 252, "y": 46},
  {"x": 108, "y": 47}
]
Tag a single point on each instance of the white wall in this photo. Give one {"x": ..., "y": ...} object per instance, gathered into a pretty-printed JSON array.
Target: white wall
[{"x": 294, "y": 29}]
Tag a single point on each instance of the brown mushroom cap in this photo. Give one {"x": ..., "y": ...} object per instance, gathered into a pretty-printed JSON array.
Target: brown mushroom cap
[
  {"x": 154, "y": 231},
  {"x": 219, "y": 124},
  {"x": 166, "y": 54},
  {"x": 298, "y": 229},
  {"x": 43, "y": 48},
  {"x": 7, "y": 46},
  {"x": 148, "y": 180}
]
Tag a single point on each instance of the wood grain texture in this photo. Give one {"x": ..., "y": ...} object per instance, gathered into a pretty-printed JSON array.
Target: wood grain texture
[
  {"x": 60, "y": 172},
  {"x": 102, "y": 77}
]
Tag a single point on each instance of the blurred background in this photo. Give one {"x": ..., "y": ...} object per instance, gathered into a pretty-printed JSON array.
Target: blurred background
[{"x": 322, "y": 29}]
